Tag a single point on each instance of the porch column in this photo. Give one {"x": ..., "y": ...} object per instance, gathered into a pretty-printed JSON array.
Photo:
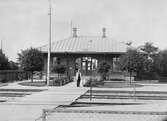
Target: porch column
[
  {"x": 81, "y": 63},
  {"x": 71, "y": 65}
]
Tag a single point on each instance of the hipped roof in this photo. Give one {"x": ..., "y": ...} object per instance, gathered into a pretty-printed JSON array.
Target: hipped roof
[{"x": 86, "y": 44}]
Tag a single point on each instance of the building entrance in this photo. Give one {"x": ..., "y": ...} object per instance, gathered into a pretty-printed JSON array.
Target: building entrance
[{"x": 87, "y": 65}]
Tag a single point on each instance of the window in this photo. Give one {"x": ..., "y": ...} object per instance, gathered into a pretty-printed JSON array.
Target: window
[{"x": 56, "y": 60}]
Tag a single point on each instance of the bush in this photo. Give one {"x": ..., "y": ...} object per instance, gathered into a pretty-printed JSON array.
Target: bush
[
  {"x": 3, "y": 80},
  {"x": 162, "y": 79},
  {"x": 147, "y": 76},
  {"x": 104, "y": 69},
  {"x": 60, "y": 81},
  {"x": 93, "y": 83},
  {"x": 59, "y": 68},
  {"x": 117, "y": 79}
]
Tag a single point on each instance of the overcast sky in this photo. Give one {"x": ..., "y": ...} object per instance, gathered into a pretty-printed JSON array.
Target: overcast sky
[{"x": 24, "y": 23}]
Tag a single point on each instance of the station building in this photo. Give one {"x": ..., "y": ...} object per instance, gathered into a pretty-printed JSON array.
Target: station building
[{"x": 84, "y": 53}]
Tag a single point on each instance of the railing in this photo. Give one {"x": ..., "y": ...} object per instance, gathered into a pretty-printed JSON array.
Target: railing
[{"x": 60, "y": 81}]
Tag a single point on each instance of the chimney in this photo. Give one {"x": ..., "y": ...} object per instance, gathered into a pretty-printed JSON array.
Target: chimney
[
  {"x": 104, "y": 33},
  {"x": 74, "y": 32}
]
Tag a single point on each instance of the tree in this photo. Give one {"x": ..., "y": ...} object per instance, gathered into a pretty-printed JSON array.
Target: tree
[
  {"x": 13, "y": 65},
  {"x": 4, "y": 64},
  {"x": 132, "y": 61},
  {"x": 151, "y": 53},
  {"x": 149, "y": 49},
  {"x": 59, "y": 69},
  {"x": 142, "y": 62},
  {"x": 31, "y": 60},
  {"x": 161, "y": 63},
  {"x": 103, "y": 69}
]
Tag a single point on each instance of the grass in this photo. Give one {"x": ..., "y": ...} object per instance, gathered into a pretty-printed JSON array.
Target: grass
[
  {"x": 3, "y": 84},
  {"x": 36, "y": 84},
  {"x": 109, "y": 84},
  {"x": 124, "y": 97},
  {"x": 111, "y": 94},
  {"x": 120, "y": 91},
  {"x": 13, "y": 94},
  {"x": 22, "y": 90},
  {"x": 2, "y": 101},
  {"x": 87, "y": 104},
  {"x": 17, "y": 92},
  {"x": 118, "y": 85}
]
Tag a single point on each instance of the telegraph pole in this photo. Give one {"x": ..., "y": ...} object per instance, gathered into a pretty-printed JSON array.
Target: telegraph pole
[
  {"x": 2, "y": 46},
  {"x": 49, "y": 44},
  {"x": 71, "y": 26},
  {"x": 130, "y": 71}
]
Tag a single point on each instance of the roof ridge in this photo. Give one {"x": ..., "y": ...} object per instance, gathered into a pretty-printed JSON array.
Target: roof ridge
[{"x": 82, "y": 36}]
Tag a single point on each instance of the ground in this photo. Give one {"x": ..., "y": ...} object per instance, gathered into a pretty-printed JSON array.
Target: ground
[
  {"x": 29, "y": 107},
  {"x": 74, "y": 104}
]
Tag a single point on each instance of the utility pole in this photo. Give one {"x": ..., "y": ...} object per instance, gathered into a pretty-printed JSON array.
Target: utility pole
[
  {"x": 49, "y": 44},
  {"x": 1, "y": 46},
  {"x": 71, "y": 26},
  {"x": 130, "y": 71}
]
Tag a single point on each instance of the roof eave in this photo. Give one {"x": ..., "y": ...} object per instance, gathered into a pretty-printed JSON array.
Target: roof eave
[{"x": 83, "y": 52}]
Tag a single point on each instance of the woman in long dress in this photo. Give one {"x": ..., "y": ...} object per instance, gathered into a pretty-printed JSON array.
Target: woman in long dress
[{"x": 78, "y": 77}]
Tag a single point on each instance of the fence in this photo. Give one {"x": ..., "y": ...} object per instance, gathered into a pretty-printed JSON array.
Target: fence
[{"x": 12, "y": 75}]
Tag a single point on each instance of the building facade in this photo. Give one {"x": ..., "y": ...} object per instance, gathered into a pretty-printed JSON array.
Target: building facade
[{"x": 84, "y": 53}]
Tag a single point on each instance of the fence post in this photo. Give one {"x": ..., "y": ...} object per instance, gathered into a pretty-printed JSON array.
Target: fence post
[{"x": 43, "y": 115}]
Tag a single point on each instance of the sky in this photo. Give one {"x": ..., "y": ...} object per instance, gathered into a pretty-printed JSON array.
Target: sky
[{"x": 25, "y": 23}]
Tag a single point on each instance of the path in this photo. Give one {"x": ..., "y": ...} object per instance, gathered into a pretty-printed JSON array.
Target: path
[{"x": 30, "y": 107}]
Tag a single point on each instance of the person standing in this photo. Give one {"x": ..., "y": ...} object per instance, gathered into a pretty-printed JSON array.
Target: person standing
[{"x": 78, "y": 77}]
